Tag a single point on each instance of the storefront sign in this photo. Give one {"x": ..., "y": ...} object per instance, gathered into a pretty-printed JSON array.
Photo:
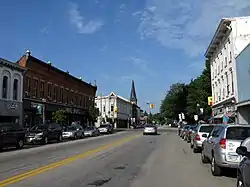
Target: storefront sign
[{"x": 12, "y": 106}]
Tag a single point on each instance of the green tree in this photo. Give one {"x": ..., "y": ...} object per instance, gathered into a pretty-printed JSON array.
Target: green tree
[
  {"x": 93, "y": 113},
  {"x": 59, "y": 116},
  {"x": 199, "y": 90},
  {"x": 174, "y": 101}
]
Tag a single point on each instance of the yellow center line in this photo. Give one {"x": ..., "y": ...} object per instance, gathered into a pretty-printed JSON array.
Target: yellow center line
[{"x": 68, "y": 160}]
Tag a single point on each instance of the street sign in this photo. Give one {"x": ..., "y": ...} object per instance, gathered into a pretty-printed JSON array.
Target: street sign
[
  {"x": 210, "y": 101},
  {"x": 196, "y": 117},
  {"x": 182, "y": 116}
]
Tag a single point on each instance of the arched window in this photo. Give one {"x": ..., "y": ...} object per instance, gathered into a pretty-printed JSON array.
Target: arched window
[
  {"x": 15, "y": 89},
  {"x": 5, "y": 87}
]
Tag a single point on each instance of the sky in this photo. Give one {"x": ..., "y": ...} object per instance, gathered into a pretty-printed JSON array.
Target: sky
[{"x": 154, "y": 42}]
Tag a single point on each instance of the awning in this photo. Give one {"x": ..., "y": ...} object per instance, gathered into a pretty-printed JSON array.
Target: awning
[
  {"x": 230, "y": 114},
  {"x": 218, "y": 116}
]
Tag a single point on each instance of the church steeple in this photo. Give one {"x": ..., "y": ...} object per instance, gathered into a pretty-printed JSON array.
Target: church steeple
[{"x": 133, "y": 97}]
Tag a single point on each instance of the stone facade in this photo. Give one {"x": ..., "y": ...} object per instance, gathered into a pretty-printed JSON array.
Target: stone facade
[{"x": 11, "y": 86}]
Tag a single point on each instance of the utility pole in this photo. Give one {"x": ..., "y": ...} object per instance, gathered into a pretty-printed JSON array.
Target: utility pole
[{"x": 101, "y": 107}]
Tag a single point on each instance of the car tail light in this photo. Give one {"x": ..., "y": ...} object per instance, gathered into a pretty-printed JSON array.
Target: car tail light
[
  {"x": 190, "y": 132},
  {"x": 197, "y": 137},
  {"x": 223, "y": 143}
]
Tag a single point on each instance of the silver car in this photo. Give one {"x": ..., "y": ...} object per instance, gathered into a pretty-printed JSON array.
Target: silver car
[
  {"x": 220, "y": 146},
  {"x": 73, "y": 132},
  {"x": 150, "y": 129},
  {"x": 199, "y": 135},
  {"x": 91, "y": 131}
]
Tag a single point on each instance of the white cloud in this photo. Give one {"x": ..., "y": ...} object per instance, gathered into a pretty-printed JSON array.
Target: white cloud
[
  {"x": 83, "y": 26},
  {"x": 187, "y": 25},
  {"x": 141, "y": 64}
]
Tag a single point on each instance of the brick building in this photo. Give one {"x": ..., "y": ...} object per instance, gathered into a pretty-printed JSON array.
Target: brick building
[{"x": 48, "y": 89}]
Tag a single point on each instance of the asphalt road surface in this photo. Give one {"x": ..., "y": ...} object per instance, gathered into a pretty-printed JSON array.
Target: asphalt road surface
[{"x": 125, "y": 159}]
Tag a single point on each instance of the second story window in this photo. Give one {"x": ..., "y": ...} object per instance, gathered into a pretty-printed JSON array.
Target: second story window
[
  {"x": 67, "y": 96},
  {"x": 225, "y": 61},
  {"x": 227, "y": 83},
  {"x": 230, "y": 57},
  {"x": 76, "y": 99},
  {"x": 61, "y": 95},
  {"x": 42, "y": 89},
  {"x": 28, "y": 84},
  {"x": 15, "y": 89},
  {"x": 35, "y": 87},
  {"x": 55, "y": 93},
  {"x": 80, "y": 100},
  {"x": 5, "y": 87},
  {"x": 49, "y": 90}
]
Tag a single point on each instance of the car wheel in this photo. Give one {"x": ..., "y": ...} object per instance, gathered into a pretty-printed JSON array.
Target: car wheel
[
  {"x": 240, "y": 181},
  {"x": 203, "y": 157},
  {"x": 45, "y": 140},
  {"x": 215, "y": 169},
  {"x": 20, "y": 144},
  {"x": 60, "y": 138},
  {"x": 191, "y": 145}
]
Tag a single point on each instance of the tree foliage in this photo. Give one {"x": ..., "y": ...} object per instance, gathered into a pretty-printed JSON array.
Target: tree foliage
[
  {"x": 188, "y": 98},
  {"x": 59, "y": 116},
  {"x": 93, "y": 113},
  {"x": 174, "y": 101}
]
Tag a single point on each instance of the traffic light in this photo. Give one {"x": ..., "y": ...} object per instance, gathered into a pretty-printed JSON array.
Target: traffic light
[{"x": 151, "y": 105}]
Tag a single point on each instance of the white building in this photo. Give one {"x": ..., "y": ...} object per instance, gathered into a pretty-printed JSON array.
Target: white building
[
  {"x": 11, "y": 92},
  {"x": 114, "y": 108},
  {"x": 230, "y": 38}
]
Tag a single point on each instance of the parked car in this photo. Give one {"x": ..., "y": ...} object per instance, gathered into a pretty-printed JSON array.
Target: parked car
[
  {"x": 91, "y": 131},
  {"x": 73, "y": 132},
  {"x": 183, "y": 131},
  {"x": 44, "y": 133},
  {"x": 11, "y": 135},
  {"x": 199, "y": 135},
  {"x": 106, "y": 129},
  {"x": 150, "y": 129},
  {"x": 190, "y": 132},
  {"x": 243, "y": 171},
  {"x": 220, "y": 146}
]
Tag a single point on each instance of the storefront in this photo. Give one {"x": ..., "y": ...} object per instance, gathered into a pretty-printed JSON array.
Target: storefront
[
  {"x": 34, "y": 112},
  {"x": 10, "y": 111}
]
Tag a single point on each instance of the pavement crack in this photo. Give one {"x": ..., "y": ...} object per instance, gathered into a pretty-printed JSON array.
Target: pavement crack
[
  {"x": 100, "y": 182},
  {"x": 120, "y": 167},
  {"x": 184, "y": 151}
]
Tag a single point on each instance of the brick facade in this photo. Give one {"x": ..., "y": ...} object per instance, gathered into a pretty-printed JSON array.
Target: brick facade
[{"x": 43, "y": 83}]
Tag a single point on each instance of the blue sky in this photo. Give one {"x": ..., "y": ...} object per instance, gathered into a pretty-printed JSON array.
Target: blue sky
[{"x": 154, "y": 42}]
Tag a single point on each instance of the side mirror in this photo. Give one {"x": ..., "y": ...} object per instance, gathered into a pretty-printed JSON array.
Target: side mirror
[
  {"x": 204, "y": 135},
  {"x": 242, "y": 150}
]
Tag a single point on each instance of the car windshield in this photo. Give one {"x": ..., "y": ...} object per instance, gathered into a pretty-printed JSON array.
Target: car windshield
[
  {"x": 71, "y": 128},
  {"x": 103, "y": 126},
  {"x": 89, "y": 128},
  {"x": 149, "y": 125},
  {"x": 238, "y": 133},
  {"x": 39, "y": 127},
  {"x": 206, "y": 128},
  {"x": 186, "y": 127}
]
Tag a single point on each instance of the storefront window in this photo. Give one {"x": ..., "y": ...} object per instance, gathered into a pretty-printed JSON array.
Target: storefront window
[
  {"x": 15, "y": 89},
  {"x": 5, "y": 87}
]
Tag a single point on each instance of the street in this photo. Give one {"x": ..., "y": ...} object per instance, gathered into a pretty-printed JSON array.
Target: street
[{"x": 124, "y": 159}]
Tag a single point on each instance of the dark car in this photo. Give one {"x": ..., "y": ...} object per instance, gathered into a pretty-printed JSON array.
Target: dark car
[
  {"x": 11, "y": 135},
  {"x": 243, "y": 171},
  {"x": 44, "y": 133}
]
